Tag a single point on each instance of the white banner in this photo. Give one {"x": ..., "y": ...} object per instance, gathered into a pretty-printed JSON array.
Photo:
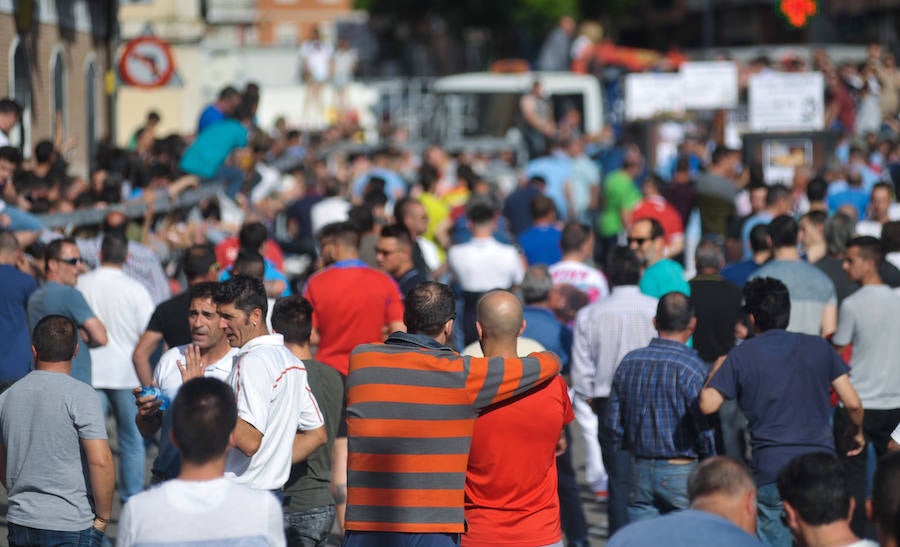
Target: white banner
[
  {"x": 650, "y": 94},
  {"x": 709, "y": 85},
  {"x": 787, "y": 101}
]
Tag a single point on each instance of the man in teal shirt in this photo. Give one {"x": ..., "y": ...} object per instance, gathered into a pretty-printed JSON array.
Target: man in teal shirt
[
  {"x": 205, "y": 158},
  {"x": 662, "y": 275}
]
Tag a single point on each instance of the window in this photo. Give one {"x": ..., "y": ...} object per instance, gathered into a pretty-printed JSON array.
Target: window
[
  {"x": 90, "y": 111},
  {"x": 20, "y": 90},
  {"x": 58, "y": 93}
]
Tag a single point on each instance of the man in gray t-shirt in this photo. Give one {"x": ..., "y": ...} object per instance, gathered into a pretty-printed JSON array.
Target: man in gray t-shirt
[
  {"x": 813, "y": 298},
  {"x": 53, "y": 442},
  {"x": 867, "y": 319}
]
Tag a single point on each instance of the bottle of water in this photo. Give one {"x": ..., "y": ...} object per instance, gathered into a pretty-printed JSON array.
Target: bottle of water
[{"x": 158, "y": 393}]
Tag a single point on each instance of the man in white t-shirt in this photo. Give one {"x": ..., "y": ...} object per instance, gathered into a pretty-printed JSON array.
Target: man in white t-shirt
[
  {"x": 208, "y": 355},
  {"x": 201, "y": 506},
  {"x": 124, "y": 307},
  {"x": 279, "y": 421},
  {"x": 482, "y": 264}
]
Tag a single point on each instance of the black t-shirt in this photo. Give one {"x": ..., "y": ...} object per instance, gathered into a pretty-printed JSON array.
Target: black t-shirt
[
  {"x": 717, "y": 306},
  {"x": 171, "y": 319}
]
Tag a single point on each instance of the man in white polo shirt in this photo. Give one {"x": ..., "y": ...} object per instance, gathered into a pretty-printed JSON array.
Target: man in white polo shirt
[{"x": 279, "y": 420}]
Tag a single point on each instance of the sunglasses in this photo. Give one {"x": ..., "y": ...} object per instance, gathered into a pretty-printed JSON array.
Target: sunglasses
[
  {"x": 72, "y": 261},
  {"x": 639, "y": 240}
]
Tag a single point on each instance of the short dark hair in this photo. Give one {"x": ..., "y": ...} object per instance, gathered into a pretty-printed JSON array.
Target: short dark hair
[
  {"x": 623, "y": 267},
  {"x": 153, "y": 116},
  {"x": 253, "y": 235},
  {"x": 204, "y": 414},
  {"x": 817, "y": 189},
  {"x": 541, "y": 206},
  {"x": 776, "y": 193},
  {"x": 11, "y": 154},
  {"x": 204, "y": 290},
  {"x": 345, "y": 232},
  {"x": 55, "y": 338},
  {"x": 574, "y": 235},
  {"x": 674, "y": 312},
  {"x": 250, "y": 263},
  {"x": 816, "y": 485},
  {"x": 783, "y": 231},
  {"x": 429, "y": 306},
  {"x": 114, "y": 248},
  {"x": 228, "y": 92},
  {"x": 769, "y": 301},
  {"x": 886, "y": 495},
  {"x": 890, "y": 236},
  {"x": 398, "y": 232},
  {"x": 10, "y": 106},
  {"x": 719, "y": 475},
  {"x": 55, "y": 247},
  {"x": 720, "y": 153},
  {"x": 246, "y": 293},
  {"x": 759, "y": 238},
  {"x": 292, "y": 318},
  {"x": 43, "y": 151},
  {"x": 656, "y": 229},
  {"x": 362, "y": 217},
  {"x": 480, "y": 211},
  {"x": 884, "y": 186},
  {"x": 197, "y": 261},
  {"x": 870, "y": 248},
  {"x": 537, "y": 284}
]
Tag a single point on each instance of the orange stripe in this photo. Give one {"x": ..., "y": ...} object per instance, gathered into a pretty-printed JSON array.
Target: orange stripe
[
  {"x": 442, "y": 528},
  {"x": 421, "y": 429},
  {"x": 408, "y": 463},
  {"x": 411, "y": 360},
  {"x": 392, "y": 393},
  {"x": 450, "y": 499},
  {"x": 512, "y": 375},
  {"x": 477, "y": 374}
]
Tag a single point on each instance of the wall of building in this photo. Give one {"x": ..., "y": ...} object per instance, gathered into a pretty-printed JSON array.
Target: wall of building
[
  {"x": 78, "y": 50},
  {"x": 288, "y": 22}
]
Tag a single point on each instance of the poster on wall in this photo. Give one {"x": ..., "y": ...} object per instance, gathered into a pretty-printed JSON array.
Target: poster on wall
[
  {"x": 787, "y": 101},
  {"x": 709, "y": 85},
  {"x": 649, "y": 94}
]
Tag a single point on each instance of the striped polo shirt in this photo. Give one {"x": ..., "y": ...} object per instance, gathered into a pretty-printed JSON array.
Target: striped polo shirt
[{"x": 411, "y": 409}]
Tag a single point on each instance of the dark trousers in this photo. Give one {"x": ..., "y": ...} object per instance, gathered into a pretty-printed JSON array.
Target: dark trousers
[
  {"x": 574, "y": 523},
  {"x": 619, "y": 467},
  {"x": 399, "y": 539},
  {"x": 877, "y": 426},
  {"x": 23, "y": 536}
]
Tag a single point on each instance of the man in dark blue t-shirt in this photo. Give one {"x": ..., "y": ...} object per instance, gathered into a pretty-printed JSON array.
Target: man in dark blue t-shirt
[
  {"x": 781, "y": 382},
  {"x": 15, "y": 288}
]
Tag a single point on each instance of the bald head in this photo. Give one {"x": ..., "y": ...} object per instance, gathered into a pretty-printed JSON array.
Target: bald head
[
  {"x": 500, "y": 315},
  {"x": 723, "y": 486}
]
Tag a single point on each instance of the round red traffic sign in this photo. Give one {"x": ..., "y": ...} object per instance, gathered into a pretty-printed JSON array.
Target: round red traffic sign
[{"x": 147, "y": 62}]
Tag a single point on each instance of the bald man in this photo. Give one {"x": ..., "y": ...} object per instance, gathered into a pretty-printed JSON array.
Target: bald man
[
  {"x": 511, "y": 480},
  {"x": 722, "y": 512}
]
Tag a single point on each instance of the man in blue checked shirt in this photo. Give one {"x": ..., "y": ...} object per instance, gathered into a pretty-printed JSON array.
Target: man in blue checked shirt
[{"x": 654, "y": 412}]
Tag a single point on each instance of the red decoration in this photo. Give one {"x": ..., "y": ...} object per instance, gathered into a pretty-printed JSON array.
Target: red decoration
[{"x": 797, "y": 12}]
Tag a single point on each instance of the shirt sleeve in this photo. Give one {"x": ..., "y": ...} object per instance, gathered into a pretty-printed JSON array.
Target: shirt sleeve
[
  {"x": 87, "y": 414},
  {"x": 843, "y": 335},
  {"x": 253, "y": 389},
  {"x": 568, "y": 410},
  {"x": 837, "y": 364},
  {"x": 495, "y": 379},
  {"x": 78, "y": 307},
  {"x": 691, "y": 385},
  {"x": 310, "y": 415},
  {"x": 582, "y": 368},
  {"x": 613, "y": 423},
  {"x": 725, "y": 380}
]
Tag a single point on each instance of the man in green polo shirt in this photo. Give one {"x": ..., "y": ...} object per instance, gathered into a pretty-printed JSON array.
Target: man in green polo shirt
[{"x": 620, "y": 195}]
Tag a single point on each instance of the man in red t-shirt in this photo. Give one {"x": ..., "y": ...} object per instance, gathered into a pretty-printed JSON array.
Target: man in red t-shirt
[
  {"x": 511, "y": 497},
  {"x": 655, "y": 206},
  {"x": 353, "y": 304}
]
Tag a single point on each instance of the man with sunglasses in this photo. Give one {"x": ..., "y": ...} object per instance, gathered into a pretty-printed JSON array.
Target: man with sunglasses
[
  {"x": 58, "y": 296},
  {"x": 662, "y": 274}
]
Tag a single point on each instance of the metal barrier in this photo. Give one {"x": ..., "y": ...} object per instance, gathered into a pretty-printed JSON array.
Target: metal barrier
[{"x": 163, "y": 204}]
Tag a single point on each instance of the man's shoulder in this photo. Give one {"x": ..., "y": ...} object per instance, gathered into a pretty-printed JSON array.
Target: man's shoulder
[{"x": 690, "y": 527}]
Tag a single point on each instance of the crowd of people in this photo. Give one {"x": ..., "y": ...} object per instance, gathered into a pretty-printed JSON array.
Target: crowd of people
[{"x": 395, "y": 343}]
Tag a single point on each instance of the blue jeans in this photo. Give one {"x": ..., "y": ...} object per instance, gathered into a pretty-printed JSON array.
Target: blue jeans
[
  {"x": 658, "y": 487},
  {"x": 132, "y": 454},
  {"x": 618, "y": 466},
  {"x": 769, "y": 527},
  {"x": 23, "y": 536},
  {"x": 398, "y": 539},
  {"x": 233, "y": 179},
  {"x": 309, "y": 528},
  {"x": 574, "y": 523}
]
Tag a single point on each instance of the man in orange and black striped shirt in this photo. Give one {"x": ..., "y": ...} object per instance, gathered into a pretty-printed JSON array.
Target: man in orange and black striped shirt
[{"x": 411, "y": 409}]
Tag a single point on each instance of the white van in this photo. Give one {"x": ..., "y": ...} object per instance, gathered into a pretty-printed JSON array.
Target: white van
[{"x": 487, "y": 103}]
